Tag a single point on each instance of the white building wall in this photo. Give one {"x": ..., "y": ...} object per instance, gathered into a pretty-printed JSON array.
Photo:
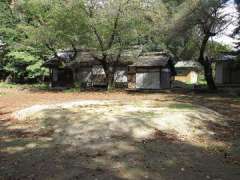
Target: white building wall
[
  {"x": 194, "y": 77},
  {"x": 148, "y": 80}
]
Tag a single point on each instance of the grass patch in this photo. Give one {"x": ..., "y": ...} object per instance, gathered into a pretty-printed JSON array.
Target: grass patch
[
  {"x": 24, "y": 86},
  {"x": 201, "y": 80},
  {"x": 8, "y": 85},
  {"x": 181, "y": 106},
  {"x": 72, "y": 90}
]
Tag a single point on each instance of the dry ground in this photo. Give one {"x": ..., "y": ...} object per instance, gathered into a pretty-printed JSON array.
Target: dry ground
[{"x": 118, "y": 136}]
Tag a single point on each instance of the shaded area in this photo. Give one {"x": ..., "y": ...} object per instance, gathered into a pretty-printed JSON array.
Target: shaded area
[
  {"x": 229, "y": 108},
  {"x": 70, "y": 145}
]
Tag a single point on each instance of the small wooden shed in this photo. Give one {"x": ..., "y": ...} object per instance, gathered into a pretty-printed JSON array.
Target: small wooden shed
[
  {"x": 151, "y": 72},
  {"x": 227, "y": 70},
  {"x": 187, "y": 71}
]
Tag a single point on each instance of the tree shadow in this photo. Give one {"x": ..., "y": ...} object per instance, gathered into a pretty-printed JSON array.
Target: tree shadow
[
  {"x": 228, "y": 108},
  {"x": 67, "y": 148}
]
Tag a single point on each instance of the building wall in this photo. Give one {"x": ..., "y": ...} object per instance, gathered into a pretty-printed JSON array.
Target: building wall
[
  {"x": 193, "y": 77},
  {"x": 62, "y": 78},
  {"x": 227, "y": 73},
  {"x": 149, "y": 78},
  {"x": 131, "y": 77},
  {"x": 236, "y": 76},
  {"x": 219, "y": 73},
  {"x": 190, "y": 77},
  {"x": 165, "y": 78},
  {"x": 95, "y": 76},
  {"x": 54, "y": 75},
  {"x": 83, "y": 74},
  {"x": 121, "y": 75}
]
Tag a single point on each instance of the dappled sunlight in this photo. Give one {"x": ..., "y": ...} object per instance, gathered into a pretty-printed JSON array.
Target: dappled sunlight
[
  {"x": 74, "y": 123},
  {"x": 115, "y": 140}
]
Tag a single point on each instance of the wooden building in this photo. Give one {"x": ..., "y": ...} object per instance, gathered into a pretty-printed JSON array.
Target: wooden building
[
  {"x": 151, "y": 72},
  {"x": 227, "y": 70},
  {"x": 187, "y": 72},
  {"x": 83, "y": 72}
]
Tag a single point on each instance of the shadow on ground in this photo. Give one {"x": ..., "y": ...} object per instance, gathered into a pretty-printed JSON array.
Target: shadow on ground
[
  {"x": 225, "y": 106},
  {"x": 90, "y": 150}
]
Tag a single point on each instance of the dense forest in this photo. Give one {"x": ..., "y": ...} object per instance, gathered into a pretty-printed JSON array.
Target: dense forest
[{"x": 31, "y": 31}]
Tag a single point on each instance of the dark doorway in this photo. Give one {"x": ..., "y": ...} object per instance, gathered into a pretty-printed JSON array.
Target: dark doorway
[{"x": 65, "y": 78}]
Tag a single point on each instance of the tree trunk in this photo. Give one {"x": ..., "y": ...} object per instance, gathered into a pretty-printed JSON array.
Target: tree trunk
[
  {"x": 109, "y": 72},
  {"x": 208, "y": 73},
  {"x": 207, "y": 65},
  {"x": 110, "y": 81}
]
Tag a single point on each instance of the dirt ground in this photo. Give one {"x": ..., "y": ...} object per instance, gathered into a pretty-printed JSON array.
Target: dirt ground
[{"x": 99, "y": 135}]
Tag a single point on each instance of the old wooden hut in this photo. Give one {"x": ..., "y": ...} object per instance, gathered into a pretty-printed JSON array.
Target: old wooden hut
[
  {"x": 227, "y": 70},
  {"x": 187, "y": 71},
  {"x": 152, "y": 71},
  {"x": 84, "y": 71},
  {"x": 149, "y": 71}
]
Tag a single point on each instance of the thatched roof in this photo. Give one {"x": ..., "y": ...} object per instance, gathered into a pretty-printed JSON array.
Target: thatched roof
[
  {"x": 83, "y": 58},
  {"x": 65, "y": 57},
  {"x": 188, "y": 65},
  {"x": 152, "y": 61}
]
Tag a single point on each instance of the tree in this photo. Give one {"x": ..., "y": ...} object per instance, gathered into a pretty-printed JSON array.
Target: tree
[
  {"x": 114, "y": 27},
  {"x": 19, "y": 62},
  {"x": 204, "y": 20},
  {"x": 40, "y": 28},
  {"x": 8, "y": 33},
  {"x": 211, "y": 22},
  {"x": 51, "y": 26},
  {"x": 34, "y": 29},
  {"x": 106, "y": 27},
  {"x": 236, "y": 32}
]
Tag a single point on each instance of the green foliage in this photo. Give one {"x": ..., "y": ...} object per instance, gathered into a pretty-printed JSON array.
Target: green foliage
[
  {"x": 24, "y": 86},
  {"x": 17, "y": 59},
  {"x": 215, "y": 48},
  {"x": 6, "y": 15},
  {"x": 24, "y": 64},
  {"x": 8, "y": 85},
  {"x": 115, "y": 26},
  {"x": 34, "y": 29},
  {"x": 201, "y": 80},
  {"x": 56, "y": 24}
]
